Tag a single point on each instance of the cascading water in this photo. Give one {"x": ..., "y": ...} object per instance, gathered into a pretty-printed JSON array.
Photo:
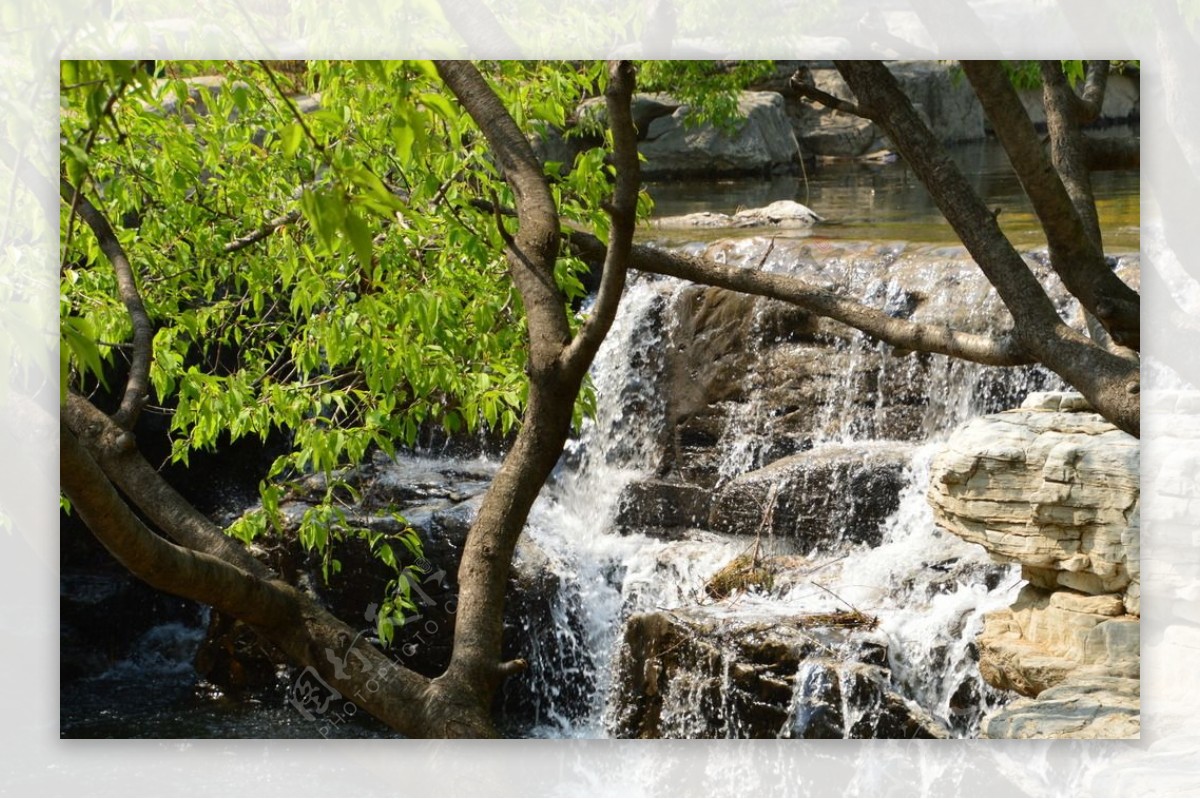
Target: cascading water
[{"x": 926, "y": 591}]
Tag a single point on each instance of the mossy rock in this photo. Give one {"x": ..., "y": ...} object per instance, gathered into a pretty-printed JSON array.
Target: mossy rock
[{"x": 743, "y": 573}]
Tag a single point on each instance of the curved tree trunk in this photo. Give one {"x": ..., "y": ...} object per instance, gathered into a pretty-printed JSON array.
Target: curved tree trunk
[
  {"x": 556, "y": 368},
  {"x": 99, "y": 454},
  {"x": 1111, "y": 382}
]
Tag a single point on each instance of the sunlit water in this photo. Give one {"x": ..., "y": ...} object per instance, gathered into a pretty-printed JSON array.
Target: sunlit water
[{"x": 869, "y": 201}]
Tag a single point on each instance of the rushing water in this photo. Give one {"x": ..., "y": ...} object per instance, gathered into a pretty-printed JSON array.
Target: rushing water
[{"x": 928, "y": 590}]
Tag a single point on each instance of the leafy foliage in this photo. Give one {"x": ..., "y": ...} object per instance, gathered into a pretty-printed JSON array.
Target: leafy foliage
[
  {"x": 325, "y": 272},
  {"x": 708, "y": 88}
]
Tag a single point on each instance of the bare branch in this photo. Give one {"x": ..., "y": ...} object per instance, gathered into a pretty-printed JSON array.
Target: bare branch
[
  {"x": 1066, "y": 147},
  {"x": 1002, "y": 350},
  {"x": 802, "y": 83},
  {"x": 618, "y": 96},
  {"x": 137, "y": 387}
]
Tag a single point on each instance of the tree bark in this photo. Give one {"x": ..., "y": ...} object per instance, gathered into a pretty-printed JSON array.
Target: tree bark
[
  {"x": 1074, "y": 255},
  {"x": 556, "y": 367},
  {"x": 137, "y": 386},
  {"x": 1110, "y": 382}
]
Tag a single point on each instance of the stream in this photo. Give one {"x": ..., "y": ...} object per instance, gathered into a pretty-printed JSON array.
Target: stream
[{"x": 920, "y": 594}]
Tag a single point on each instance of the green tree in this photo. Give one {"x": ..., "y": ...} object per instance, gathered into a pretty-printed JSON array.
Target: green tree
[
  {"x": 332, "y": 273},
  {"x": 397, "y": 258}
]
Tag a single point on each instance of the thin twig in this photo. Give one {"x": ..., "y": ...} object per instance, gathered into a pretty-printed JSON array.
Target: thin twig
[{"x": 292, "y": 107}]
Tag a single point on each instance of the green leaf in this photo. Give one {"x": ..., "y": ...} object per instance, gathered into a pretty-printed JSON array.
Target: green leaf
[
  {"x": 360, "y": 238},
  {"x": 291, "y": 137}
]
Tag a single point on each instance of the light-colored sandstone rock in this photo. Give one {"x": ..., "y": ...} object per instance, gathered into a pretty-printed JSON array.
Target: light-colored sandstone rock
[
  {"x": 1051, "y": 486},
  {"x": 781, "y": 214},
  {"x": 1054, "y": 487},
  {"x": 1090, "y": 707}
]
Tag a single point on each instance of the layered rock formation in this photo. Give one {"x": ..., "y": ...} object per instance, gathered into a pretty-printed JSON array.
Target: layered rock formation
[{"x": 1054, "y": 487}]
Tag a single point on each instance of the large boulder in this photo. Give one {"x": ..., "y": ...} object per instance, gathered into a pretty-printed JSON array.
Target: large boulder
[
  {"x": 938, "y": 91},
  {"x": 1054, "y": 487},
  {"x": 761, "y": 143}
]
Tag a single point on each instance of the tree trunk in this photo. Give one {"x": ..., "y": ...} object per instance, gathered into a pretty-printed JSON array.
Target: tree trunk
[
  {"x": 1111, "y": 383},
  {"x": 97, "y": 455}
]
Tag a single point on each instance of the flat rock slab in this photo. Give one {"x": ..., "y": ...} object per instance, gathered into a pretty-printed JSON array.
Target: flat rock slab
[{"x": 1088, "y": 707}]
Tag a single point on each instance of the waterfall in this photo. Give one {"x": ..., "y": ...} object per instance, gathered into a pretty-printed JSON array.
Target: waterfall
[{"x": 926, "y": 591}]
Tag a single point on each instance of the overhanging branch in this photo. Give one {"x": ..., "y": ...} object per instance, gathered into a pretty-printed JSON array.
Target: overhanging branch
[{"x": 1001, "y": 350}]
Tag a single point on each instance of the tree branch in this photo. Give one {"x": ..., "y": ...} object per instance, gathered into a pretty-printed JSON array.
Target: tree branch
[
  {"x": 137, "y": 386},
  {"x": 618, "y": 96},
  {"x": 1074, "y": 255},
  {"x": 114, "y": 450},
  {"x": 1002, "y": 350},
  {"x": 802, "y": 83},
  {"x": 1109, "y": 381},
  {"x": 165, "y": 566},
  {"x": 255, "y": 236},
  {"x": 1066, "y": 146},
  {"x": 532, "y": 254},
  {"x": 1087, "y": 106}
]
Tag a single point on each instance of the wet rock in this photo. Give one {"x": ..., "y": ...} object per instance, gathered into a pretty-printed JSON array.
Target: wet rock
[
  {"x": 767, "y": 377},
  {"x": 824, "y": 497},
  {"x": 662, "y": 506},
  {"x": 692, "y": 674}
]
